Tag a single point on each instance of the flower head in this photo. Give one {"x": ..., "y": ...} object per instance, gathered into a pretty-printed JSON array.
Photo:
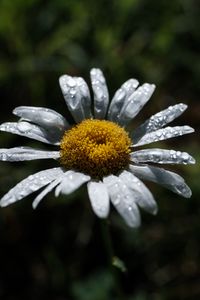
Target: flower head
[{"x": 98, "y": 149}]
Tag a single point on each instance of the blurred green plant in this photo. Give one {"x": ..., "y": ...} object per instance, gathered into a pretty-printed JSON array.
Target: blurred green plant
[{"x": 56, "y": 252}]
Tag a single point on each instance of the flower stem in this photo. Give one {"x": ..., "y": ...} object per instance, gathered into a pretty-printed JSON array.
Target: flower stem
[{"x": 111, "y": 257}]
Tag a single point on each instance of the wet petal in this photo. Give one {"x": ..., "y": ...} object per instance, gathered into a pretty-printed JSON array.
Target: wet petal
[
  {"x": 142, "y": 195},
  {"x": 123, "y": 200},
  {"x": 159, "y": 120},
  {"x": 163, "y": 134},
  {"x": 44, "y": 117},
  {"x": 99, "y": 198},
  {"x": 47, "y": 190},
  {"x": 31, "y": 131},
  {"x": 100, "y": 90},
  {"x": 29, "y": 185},
  {"x": 161, "y": 156},
  {"x": 168, "y": 179},
  {"x": 26, "y": 153},
  {"x": 135, "y": 103},
  {"x": 77, "y": 97},
  {"x": 71, "y": 181},
  {"x": 121, "y": 95}
]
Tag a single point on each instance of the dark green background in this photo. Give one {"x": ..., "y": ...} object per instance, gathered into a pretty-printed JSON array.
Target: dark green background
[{"x": 57, "y": 252}]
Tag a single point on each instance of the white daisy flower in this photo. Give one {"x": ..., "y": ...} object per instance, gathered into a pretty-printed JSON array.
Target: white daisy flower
[{"x": 98, "y": 150}]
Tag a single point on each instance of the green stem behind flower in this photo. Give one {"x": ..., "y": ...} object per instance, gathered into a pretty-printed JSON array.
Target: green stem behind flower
[{"x": 112, "y": 258}]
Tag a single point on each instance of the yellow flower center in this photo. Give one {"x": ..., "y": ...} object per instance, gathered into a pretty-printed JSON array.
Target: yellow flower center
[{"x": 95, "y": 147}]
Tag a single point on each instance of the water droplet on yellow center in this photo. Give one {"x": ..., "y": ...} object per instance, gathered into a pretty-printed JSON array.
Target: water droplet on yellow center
[{"x": 95, "y": 147}]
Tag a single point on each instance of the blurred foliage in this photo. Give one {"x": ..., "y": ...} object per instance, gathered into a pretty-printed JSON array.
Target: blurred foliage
[{"x": 57, "y": 252}]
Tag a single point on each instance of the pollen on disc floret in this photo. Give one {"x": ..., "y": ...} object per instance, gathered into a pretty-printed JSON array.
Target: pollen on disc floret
[{"x": 95, "y": 147}]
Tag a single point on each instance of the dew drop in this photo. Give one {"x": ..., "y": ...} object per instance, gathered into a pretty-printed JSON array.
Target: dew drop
[
  {"x": 33, "y": 187},
  {"x": 4, "y": 156},
  {"x": 71, "y": 82},
  {"x": 23, "y": 127}
]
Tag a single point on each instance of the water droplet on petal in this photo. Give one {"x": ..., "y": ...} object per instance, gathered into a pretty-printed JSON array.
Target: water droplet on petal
[
  {"x": 33, "y": 187},
  {"x": 23, "y": 127},
  {"x": 3, "y": 156},
  {"x": 71, "y": 82}
]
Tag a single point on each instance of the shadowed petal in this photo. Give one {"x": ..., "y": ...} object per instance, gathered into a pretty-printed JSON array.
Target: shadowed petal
[
  {"x": 135, "y": 103},
  {"x": 121, "y": 95},
  {"x": 158, "y": 121},
  {"x": 142, "y": 195},
  {"x": 161, "y": 156},
  {"x": 44, "y": 117},
  {"x": 71, "y": 181},
  {"x": 29, "y": 185},
  {"x": 100, "y": 91},
  {"x": 26, "y": 153},
  {"x": 164, "y": 134},
  {"x": 47, "y": 190},
  {"x": 168, "y": 179},
  {"x": 123, "y": 200},
  {"x": 31, "y": 131},
  {"x": 99, "y": 198},
  {"x": 77, "y": 97}
]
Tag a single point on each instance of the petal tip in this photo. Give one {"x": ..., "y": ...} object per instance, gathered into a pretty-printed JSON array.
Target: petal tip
[
  {"x": 183, "y": 106},
  {"x": 4, "y": 203},
  {"x": 135, "y": 225},
  {"x": 189, "y": 129},
  {"x": 34, "y": 205},
  {"x": 16, "y": 111},
  {"x": 184, "y": 191},
  {"x": 93, "y": 71},
  {"x": 155, "y": 211},
  {"x": 192, "y": 160},
  {"x": 2, "y": 127},
  {"x": 102, "y": 214}
]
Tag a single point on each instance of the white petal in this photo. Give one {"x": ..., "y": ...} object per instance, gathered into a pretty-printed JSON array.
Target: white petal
[
  {"x": 161, "y": 156},
  {"x": 44, "y": 117},
  {"x": 71, "y": 181},
  {"x": 29, "y": 185},
  {"x": 31, "y": 131},
  {"x": 135, "y": 103},
  {"x": 164, "y": 134},
  {"x": 100, "y": 90},
  {"x": 142, "y": 195},
  {"x": 26, "y": 153},
  {"x": 47, "y": 190},
  {"x": 158, "y": 120},
  {"x": 123, "y": 200},
  {"x": 99, "y": 198},
  {"x": 168, "y": 179},
  {"x": 121, "y": 95},
  {"x": 77, "y": 97}
]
